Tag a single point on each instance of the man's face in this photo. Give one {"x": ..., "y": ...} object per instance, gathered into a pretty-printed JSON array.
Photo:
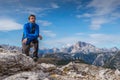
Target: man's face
[{"x": 32, "y": 19}]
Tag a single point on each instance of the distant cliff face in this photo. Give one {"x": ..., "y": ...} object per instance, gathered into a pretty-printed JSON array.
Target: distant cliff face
[
  {"x": 114, "y": 61},
  {"x": 17, "y": 66}
]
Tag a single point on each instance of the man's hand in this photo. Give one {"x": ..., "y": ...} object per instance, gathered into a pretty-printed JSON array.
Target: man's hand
[
  {"x": 25, "y": 40},
  {"x": 40, "y": 37}
]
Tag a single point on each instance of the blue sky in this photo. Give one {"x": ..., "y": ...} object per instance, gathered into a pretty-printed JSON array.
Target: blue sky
[{"x": 62, "y": 22}]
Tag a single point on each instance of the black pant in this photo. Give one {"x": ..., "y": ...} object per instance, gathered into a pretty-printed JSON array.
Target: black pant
[{"x": 26, "y": 48}]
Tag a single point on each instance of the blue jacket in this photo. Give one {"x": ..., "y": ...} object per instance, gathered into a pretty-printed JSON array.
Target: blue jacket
[{"x": 29, "y": 33}]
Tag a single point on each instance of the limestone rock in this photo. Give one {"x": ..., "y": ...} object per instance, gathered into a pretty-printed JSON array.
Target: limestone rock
[
  {"x": 28, "y": 76},
  {"x": 11, "y": 63}
]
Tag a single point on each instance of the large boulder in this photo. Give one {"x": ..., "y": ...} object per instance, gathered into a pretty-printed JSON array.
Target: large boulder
[{"x": 13, "y": 62}]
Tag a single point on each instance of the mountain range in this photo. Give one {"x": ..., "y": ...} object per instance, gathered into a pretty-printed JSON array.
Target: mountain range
[
  {"x": 79, "y": 47},
  {"x": 80, "y": 50},
  {"x": 85, "y": 51}
]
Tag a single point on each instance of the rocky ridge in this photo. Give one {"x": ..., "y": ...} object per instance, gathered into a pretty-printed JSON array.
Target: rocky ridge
[{"x": 17, "y": 66}]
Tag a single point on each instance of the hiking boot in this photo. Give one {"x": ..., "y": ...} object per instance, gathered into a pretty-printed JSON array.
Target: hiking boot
[{"x": 35, "y": 59}]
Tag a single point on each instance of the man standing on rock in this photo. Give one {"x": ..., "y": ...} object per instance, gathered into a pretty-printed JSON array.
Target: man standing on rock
[{"x": 30, "y": 37}]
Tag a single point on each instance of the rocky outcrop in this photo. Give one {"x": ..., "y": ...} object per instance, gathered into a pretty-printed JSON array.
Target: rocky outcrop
[
  {"x": 17, "y": 66},
  {"x": 76, "y": 71},
  {"x": 11, "y": 63}
]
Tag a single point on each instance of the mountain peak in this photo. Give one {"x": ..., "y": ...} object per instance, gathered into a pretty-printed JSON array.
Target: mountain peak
[
  {"x": 114, "y": 49},
  {"x": 82, "y": 47},
  {"x": 83, "y": 44}
]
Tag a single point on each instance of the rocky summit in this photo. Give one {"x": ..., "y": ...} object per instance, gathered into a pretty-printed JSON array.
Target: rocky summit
[{"x": 17, "y": 66}]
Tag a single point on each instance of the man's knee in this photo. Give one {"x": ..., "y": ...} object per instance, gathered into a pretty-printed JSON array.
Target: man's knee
[{"x": 25, "y": 49}]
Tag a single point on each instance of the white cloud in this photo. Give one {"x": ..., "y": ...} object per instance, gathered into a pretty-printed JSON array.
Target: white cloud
[
  {"x": 32, "y": 10},
  {"x": 33, "y": 7},
  {"x": 96, "y": 23},
  {"x": 37, "y": 10},
  {"x": 44, "y": 22},
  {"x": 79, "y": 34},
  {"x": 9, "y": 24},
  {"x": 104, "y": 7},
  {"x": 48, "y": 33},
  {"x": 84, "y": 15},
  {"x": 54, "y": 5},
  {"x": 108, "y": 10},
  {"x": 107, "y": 40}
]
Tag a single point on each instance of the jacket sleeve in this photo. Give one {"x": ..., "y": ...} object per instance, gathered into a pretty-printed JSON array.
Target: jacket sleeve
[{"x": 31, "y": 36}]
